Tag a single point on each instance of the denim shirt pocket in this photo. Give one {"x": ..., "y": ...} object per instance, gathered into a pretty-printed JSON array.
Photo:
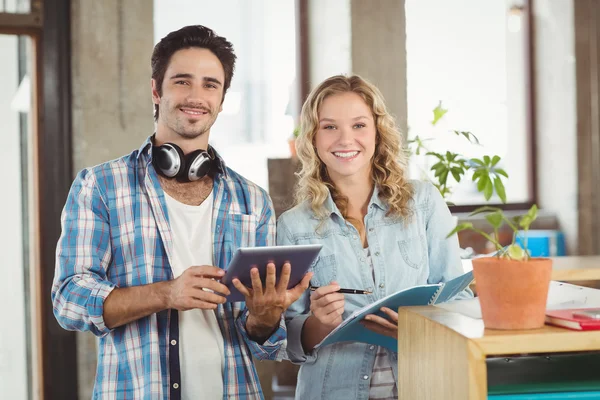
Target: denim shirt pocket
[
  {"x": 324, "y": 269},
  {"x": 413, "y": 251}
]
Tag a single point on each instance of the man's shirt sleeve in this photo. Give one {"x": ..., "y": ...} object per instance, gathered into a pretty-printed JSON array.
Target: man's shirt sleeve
[
  {"x": 83, "y": 255},
  {"x": 274, "y": 347}
]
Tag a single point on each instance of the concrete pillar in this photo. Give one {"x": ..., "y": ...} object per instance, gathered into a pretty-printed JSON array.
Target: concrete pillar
[
  {"x": 379, "y": 50},
  {"x": 112, "y": 42}
]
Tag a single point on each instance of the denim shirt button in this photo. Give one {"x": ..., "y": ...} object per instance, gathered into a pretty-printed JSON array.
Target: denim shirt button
[
  {"x": 381, "y": 285},
  {"x": 365, "y": 377},
  {"x": 370, "y": 229},
  {"x": 362, "y": 259},
  {"x": 371, "y": 347},
  {"x": 377, "y": 254}
]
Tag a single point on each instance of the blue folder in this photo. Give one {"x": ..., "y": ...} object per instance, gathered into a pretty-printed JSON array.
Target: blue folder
[{"x": 350, "y": 330}]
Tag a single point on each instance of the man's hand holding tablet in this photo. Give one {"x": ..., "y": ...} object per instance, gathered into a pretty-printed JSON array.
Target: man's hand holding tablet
[{"x": 252, "y": 275}]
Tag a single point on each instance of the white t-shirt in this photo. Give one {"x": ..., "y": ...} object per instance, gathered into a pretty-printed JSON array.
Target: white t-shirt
[{"x": 201, "y": 348}]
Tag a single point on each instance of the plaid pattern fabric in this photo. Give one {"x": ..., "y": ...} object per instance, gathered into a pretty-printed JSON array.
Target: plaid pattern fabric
[{"x": 115, "y": 233}]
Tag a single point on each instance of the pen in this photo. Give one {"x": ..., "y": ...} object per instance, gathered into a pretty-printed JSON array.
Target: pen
[{"x": 346, "y": 291}]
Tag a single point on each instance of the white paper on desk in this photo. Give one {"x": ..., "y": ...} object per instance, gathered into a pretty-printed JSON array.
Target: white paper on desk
[{"x": 560, "y": 296}]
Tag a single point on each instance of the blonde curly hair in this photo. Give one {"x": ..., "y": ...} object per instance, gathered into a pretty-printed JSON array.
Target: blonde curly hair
[{"x": 389, "y": 161}]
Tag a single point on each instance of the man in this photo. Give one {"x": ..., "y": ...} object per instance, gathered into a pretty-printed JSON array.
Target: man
[{"x": 145, "y": 239}]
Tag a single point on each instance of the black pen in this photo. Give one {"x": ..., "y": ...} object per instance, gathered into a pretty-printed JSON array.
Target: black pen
[{"x": 346, "y": 291}]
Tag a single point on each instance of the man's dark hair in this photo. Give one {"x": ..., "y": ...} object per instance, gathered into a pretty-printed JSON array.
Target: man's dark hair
[{"x": 185, "y": 38}]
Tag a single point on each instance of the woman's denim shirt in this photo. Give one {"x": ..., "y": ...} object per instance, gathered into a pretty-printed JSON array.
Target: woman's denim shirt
[{"x": 404, "y": 254}]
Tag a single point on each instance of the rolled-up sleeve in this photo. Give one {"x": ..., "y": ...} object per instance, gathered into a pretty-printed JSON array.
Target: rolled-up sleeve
[
  {"x": 83, "y": 255},
  {"x": 297, "y": 314},
  {"x": 273, "y": 348}
]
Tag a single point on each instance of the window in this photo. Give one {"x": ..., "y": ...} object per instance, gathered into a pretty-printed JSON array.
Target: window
[
  {"x": 15, "y": 6},
  {"x": 17, "y": 246},
  {"x": 472, "y": 56},
  {"x": 258, "y": 112}
]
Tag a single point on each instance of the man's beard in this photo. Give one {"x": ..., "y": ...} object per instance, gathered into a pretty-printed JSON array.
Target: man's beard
[{"x": 179, "y": 124}]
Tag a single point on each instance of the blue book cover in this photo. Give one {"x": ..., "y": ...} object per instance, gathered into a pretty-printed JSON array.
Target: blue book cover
[{"x": 350, "y": 330}]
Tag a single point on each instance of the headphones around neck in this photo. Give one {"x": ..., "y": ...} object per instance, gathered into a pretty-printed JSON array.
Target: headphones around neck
[{"x": 169, "y": 161}]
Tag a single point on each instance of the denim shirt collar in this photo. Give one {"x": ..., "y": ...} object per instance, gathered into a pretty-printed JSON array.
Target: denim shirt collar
[{"x": 332, "y": 208}]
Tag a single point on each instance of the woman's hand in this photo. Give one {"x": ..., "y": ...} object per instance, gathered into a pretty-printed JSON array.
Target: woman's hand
[
  {"x": 327, "y": 306},
  {"x": 385, "y": 326}
]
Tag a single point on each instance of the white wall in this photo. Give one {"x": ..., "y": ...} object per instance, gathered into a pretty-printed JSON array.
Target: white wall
[
  {"x": 557, "y": 114},
  {"x": 13, "y": 373}
]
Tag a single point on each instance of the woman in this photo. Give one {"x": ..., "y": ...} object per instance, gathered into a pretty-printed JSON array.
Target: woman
[{"x": 380, "y": 232}]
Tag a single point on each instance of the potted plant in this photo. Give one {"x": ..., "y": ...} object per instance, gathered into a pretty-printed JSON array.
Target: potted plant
[
  {"x": 449, "y": 165},
  {"x": 512, "y": 287}
]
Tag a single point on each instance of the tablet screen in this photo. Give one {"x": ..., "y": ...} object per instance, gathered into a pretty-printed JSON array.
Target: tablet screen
[{"x": 300, "y": 257}]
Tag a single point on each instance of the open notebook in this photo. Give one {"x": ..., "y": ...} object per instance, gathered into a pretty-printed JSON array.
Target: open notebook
[{"x": 350, "y": 330}]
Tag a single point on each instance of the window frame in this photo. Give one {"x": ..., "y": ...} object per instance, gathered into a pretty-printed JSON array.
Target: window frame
[{"x": 48, "y": 25}]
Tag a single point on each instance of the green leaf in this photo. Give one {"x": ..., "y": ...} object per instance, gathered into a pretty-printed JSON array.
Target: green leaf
[
  {"x": 516, "y": 252},
  {"x": 533, "y": 211},
  {"x": 482, "y": 183},
  {"x": 526, "y": 220},
  {"x": 456, "y": 173},
  {"x": 478, "y": 162},
  {"x": 500, "y": 171},
  {"x": 470, "y": 137},
  {"x": 495, "y": 160},
  {"x": 460, "y": 227},
  {"x": 495, "y": 219},
  {"x": 438, "y": 113},
  {"x": 437, "y": 166},
  {"x": 443, "y": 177},
  {"x": 489, "y": 189},
  {"x": 499, "y": 186},
  {"x": 438, "y": 155},
  {"x": 486, "y": 160}
]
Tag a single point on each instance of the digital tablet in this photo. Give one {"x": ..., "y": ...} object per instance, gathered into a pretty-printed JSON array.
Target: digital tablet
[{"x": 244, "y": 259}]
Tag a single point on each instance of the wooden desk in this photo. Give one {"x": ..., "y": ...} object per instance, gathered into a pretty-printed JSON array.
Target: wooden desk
[
  {"x": 567, "y": 269},
  {"x": 576, "y": 268},
  {"x": 441, "y": 354}
]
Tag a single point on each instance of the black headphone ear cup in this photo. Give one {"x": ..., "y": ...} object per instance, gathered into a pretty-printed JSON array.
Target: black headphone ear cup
[
  {"x": 198, "y": 164},
  {"x": 169, "y": 160}
]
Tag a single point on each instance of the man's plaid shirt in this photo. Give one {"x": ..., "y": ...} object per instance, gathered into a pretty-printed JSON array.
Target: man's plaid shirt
[{"x": 115, "y": 233}]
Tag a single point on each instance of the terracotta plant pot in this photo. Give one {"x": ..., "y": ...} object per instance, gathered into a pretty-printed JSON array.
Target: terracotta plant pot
[
  {"x": 512, "y": 294},
  {"x": 292, "y": 143}
]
